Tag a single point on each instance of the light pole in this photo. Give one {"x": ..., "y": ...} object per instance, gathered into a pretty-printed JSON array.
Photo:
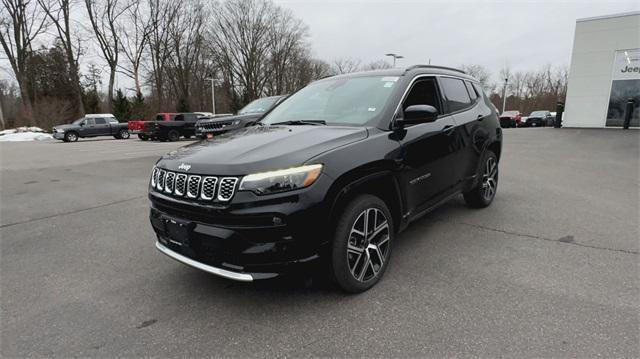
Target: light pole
[
  {"x": 395, "y": 56},
  {"x": 504, "y": 93},
  {"x": 213, "y": 95}
]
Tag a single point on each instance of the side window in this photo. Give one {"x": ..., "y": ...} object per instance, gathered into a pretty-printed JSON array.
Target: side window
[
  {"x": 100, "y": 121},
  {"x": 112, "y": 120},
  {"x": 160, "y": 118},
  {"x": 455, "y": 93},
  {"x": 179, "y": 118},
  {"x": 472, "y": 91},
  {"x": 90, "y": 121},
  {"x": 479, "y": 90},
  {"x": 423, "y": 92}
]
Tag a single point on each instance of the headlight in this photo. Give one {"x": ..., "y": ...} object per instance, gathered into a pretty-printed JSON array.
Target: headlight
[
  {"x": 281, "y": 180},
  {"x": 59, "y": 130},
  {"x": 235, "y": 123}
]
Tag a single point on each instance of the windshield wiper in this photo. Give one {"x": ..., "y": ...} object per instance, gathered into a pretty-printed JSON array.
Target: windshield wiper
[{"x": 302, "y": 122}]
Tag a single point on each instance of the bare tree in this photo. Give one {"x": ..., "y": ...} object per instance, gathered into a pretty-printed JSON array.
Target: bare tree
[
  {"x": 240, "y": 40},
  {"x": 160, "y": 11},
  {"x": 481, "y": 74},
  {"x": 134, "y": 38},
  {"x": 104, "y": 16},
  {"x": 345, "y": 65},
  {"x": 377, "y": 65},
  {"x": 59, "y": 13},
  {"x": 20, "y": 24}
]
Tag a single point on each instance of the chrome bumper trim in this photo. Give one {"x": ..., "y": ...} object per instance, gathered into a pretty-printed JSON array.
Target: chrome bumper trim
[{"x": 242, "y": 277}]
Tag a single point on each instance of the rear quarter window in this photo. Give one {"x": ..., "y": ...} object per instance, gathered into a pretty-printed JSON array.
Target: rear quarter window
[{"x": 455, "y": 93}]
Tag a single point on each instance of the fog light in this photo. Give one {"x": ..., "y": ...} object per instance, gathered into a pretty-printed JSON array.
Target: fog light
[{"x": 277, "y": 221}]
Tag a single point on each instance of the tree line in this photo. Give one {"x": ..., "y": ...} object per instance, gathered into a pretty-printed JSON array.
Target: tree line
[{"x": 172, "y": 52}]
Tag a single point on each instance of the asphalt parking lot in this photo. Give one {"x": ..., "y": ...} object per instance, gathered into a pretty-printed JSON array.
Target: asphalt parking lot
[{"x": 550, "y": 269}]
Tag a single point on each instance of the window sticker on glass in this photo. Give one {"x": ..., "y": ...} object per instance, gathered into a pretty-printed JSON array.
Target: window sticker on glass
[
  {"x": 388, "y": 84},
  {"x": 390, "y": 79},
  {"x": 371, "y": 109}
]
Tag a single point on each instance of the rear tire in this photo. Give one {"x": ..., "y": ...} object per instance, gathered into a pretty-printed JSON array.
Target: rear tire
[
  {"x": 143, "y": 137},
  {"x": 485, "y": 191},
  {"x": 362, "y": 243},
  {"x": 173, "y": 136}
]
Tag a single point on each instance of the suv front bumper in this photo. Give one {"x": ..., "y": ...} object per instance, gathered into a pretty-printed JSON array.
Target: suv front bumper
[{"x": 245, "y": 244}]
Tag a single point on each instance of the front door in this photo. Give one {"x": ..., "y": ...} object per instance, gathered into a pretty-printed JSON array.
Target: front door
[{"x": 427, "y": 149}]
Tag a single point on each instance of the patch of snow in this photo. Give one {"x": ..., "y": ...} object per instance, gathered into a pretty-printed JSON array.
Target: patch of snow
[{"x": 25, "y": 136}]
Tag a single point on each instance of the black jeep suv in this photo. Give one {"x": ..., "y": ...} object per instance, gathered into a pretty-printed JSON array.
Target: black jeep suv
[{"x": 329, "y": 176}]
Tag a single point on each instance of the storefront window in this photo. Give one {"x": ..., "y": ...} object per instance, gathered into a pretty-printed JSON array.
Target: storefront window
[{"x": 625, "y": 86}]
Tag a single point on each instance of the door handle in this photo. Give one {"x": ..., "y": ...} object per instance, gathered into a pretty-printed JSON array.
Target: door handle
[
  {"x": 480, "y": 118},
  {"x": 448, "y": 129}
]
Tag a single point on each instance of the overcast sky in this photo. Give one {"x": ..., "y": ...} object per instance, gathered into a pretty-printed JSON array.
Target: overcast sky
[{"x": 526, "y": 35}]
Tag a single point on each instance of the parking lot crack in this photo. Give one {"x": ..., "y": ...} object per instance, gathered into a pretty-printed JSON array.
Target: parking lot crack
[
  {"x": 563, "y": 240},
  {"x": 72, "y": 212}
]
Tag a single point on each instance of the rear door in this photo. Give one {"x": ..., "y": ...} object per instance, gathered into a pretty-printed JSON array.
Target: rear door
[
  {"x": 89, "y": 128},
  {"x": 468, "y": 111},
  {"x": 102, "y": 128},
  {"x": 426, "y": 148}
]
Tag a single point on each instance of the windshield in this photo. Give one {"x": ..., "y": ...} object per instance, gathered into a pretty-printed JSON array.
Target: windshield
[
  {"x": 77, "y": 122},
  {"x": 260, "y": 105},
  {"x": 343, "y": 101},
  {"x": 510, "y": 113},
  {"x": 538, "y": 113}
]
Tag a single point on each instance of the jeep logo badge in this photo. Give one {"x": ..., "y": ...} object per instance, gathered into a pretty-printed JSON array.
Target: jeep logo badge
[{"x": 184, "y": 167}]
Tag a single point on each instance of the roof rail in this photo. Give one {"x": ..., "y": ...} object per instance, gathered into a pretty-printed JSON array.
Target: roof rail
[{"x": 433, "y": 67}]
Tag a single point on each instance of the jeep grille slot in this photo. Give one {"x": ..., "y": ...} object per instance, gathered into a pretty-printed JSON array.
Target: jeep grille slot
[
  {"x": 193, "y": 186},
  {"x": 208, "y": 188},
  {"x": 181, "y": 183},
  {"x": 160, "y": 184},
  {"x": 169, "y": 182},
  {"x": 154, "y": 176},
  {"x": 227, "y": 188}
]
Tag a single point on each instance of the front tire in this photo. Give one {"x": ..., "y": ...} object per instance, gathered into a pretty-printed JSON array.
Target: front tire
[
  {"x": 485, "y": 191},
  {"x": 362, "y": 243},
  {"x": 123, "y": 134},
  {"x": 70, "y": 137}
]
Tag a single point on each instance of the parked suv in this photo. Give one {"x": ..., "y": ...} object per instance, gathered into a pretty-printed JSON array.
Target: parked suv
[
  {"x": 91, "y": 125},
  {"x": 329, "y": 177},
  {"x": 208, "y": 126}
]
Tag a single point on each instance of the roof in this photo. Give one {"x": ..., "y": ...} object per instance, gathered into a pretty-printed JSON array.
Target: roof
[
  {"x": 414, "y": 70},
  {"x": 611, "y": 16}
]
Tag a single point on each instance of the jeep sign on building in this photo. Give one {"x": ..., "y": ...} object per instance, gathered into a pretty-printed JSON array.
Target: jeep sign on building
[{"x": 605, "y": 71}]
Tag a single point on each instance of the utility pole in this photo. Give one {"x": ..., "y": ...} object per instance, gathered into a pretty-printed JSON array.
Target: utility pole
[
  {"x": 213, "y": 95},
  {"x": 504, "y": 94},
  {"x": 395, "y": 57}
]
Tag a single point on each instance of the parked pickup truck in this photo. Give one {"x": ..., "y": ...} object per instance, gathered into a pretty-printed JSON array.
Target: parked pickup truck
[
  {"x": 208, "y": 126},
  {"x": 183, "y": 125},
  {"x": 142, "y": 128},
  {"x": 92, "y": 125}
]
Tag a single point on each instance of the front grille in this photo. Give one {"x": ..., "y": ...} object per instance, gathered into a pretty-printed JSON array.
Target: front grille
[
  {"x": 215, "y": 125},
  {"x": 196, "y": 187}
]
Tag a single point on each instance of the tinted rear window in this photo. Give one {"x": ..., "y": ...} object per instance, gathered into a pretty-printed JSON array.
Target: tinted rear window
[
  {"x": 471, "y": 90},
  {"x": 455, "y": 93}
]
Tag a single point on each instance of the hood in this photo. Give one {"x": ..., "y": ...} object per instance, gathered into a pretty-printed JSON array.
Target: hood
[
  {"x": 247, "y": 117},
  {"x": 65, "y": 127},
  {"x": 260, "y": 148}
]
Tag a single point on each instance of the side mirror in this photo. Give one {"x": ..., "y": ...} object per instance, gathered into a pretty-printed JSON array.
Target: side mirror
[
  {"x": 82, "y": 124},
  {"x": 415, "y": 114}
]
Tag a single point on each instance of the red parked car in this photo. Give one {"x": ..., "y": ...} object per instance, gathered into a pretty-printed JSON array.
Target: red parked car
[
  {"x": 510, "y": 119},
  {"x": 141, "y": 127}
]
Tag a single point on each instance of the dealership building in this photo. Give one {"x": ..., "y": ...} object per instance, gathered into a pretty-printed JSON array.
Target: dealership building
[{"x": 605, "y": 71}]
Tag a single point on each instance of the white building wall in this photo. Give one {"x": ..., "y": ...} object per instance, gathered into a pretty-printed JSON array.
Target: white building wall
[{"x": 594, "y": 46}]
